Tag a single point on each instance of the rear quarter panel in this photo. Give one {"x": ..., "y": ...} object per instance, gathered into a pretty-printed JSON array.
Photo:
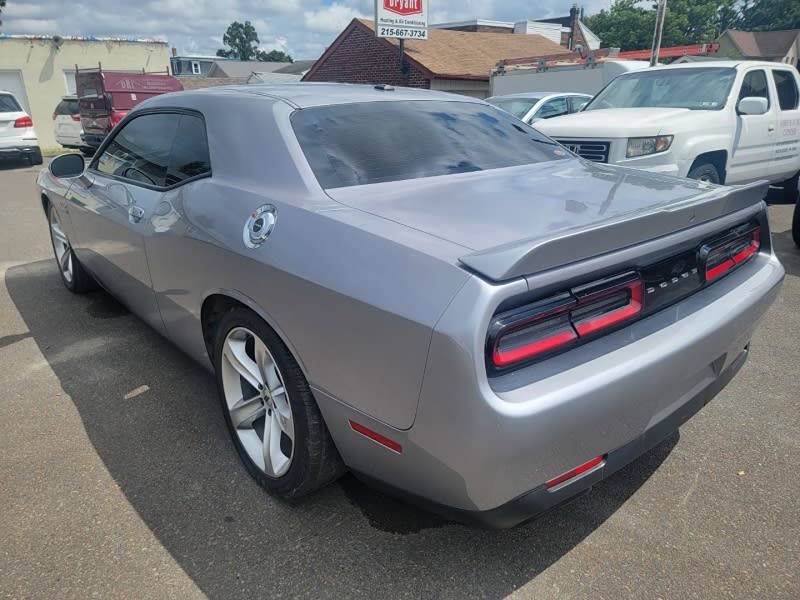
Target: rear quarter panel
[{"x": 353, "y": 296}]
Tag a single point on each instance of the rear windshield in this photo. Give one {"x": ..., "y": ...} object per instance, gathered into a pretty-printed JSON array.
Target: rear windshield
[
  {"x": 519, "y": 107},
  {"x": 8, "y": 103},
  {"x": 67, "y": 107},
  {"x": 374, "y": 142}
]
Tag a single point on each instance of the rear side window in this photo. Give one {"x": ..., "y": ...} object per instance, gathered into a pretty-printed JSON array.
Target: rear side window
[
  {"x": 189, "y": 156},
  {"x": 786, "y": 85},
  {"x": 374, "y": 142},
  {"x": 754, "y": 85},
  {"x": 67, "y": 107},
  {"x": 140, "y": 150},
  {"x": 8, "y": 103}
]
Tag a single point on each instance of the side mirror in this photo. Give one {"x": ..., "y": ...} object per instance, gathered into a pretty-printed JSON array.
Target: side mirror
[
  {"x": 581, "y": 106},
  {"x": 752, "y": 106},
  {"x": 67, "y": 166}
]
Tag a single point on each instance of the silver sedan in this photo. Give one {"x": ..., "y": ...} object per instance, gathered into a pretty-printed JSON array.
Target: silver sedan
[{"x": 416, "y": 286}]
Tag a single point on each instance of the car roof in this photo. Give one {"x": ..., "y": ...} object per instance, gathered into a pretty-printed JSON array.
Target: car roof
[
  {"x": 538, "y": 95},
  {"x": 306, "y": 94},
  {"x": 732, "y": 64}
]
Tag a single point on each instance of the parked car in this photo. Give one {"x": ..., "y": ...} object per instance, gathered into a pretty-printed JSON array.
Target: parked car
[
  {"x": 67, "y": 123},
  {"x": 532, "y": 107},
  {"x": 17, "y": 137},
  {"x": 723, "y": 122},
  {"x": 449, "y": 304},
  {"x": 105, "y": 97}
]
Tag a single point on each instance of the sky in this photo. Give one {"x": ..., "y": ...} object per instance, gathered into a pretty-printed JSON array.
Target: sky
[{"x": 303, "y": 28}]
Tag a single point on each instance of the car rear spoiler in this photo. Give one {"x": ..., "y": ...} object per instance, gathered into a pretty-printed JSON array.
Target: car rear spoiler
[{"x": 539, "y": 254}]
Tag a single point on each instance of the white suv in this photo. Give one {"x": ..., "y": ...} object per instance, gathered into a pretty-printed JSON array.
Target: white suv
[
  {"x": 17, "y": 137},
  {"x": 722, "y": 122}
]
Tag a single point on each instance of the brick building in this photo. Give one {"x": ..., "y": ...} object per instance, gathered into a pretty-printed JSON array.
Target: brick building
[{"x": 449, "y": 60}]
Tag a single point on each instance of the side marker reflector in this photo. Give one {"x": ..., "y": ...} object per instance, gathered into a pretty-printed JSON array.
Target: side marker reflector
[
  {"x": 376, "y": 437},
  {"x": 579, "y": 470}
]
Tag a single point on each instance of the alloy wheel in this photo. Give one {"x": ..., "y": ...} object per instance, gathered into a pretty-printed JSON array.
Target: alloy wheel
[
  {"x": 257, "y": 402},
  {"x": 61, "y": 246}
]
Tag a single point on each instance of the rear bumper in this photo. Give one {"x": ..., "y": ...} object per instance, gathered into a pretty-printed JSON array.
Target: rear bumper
[
  {"x": 484, "y": 449},
  {"x": 19, "y": 151},
  {"x": 540, "y": 499},
  {"x": 92, "y": 140}
]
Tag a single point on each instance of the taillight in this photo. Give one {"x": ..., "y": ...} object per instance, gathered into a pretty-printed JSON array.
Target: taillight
[
  {"x": 75, "y": 117},
  {"x": 534, "y": 331},
  {"x": 607, "y": 303},
  {"x": 721, "y": 256},
  {"x": 116, "y": 117},
  {"x": 23, "y": 122},
  {"x": 553, "y": 325}
]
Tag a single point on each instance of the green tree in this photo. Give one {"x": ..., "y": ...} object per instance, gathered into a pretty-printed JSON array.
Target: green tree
[
  {"x": 242, "y": 43},
  {"x": 2, "y": 6},
  {"x": 626, "y": 25},
  {"x": 770, "y": 15},
  {"x": 274, "y": 56},
  {"x": 629, "y": 24}
]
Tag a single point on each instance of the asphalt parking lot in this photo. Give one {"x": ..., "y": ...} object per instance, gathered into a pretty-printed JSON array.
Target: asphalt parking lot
[{"x": 117, "y": 477}]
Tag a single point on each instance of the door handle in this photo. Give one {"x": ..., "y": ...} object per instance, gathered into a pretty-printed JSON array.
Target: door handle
[
  {"x": 135, "y": 213},
  {"x": 771, "y": 128}
]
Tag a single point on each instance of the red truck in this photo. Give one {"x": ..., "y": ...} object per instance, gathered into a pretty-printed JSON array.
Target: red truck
[{"x": 105, "y": 97}]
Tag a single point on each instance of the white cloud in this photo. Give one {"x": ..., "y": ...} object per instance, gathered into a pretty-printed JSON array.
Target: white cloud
[
  {"x": 304, "y": 28},
  {"x": 331, "y": 19}
]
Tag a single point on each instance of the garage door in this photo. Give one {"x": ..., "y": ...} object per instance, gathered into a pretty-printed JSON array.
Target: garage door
[{"x": 11, "y": 81}]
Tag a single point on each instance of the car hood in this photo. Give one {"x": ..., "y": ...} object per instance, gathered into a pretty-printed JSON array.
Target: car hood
[
  {"x": 612, "y": 122},
  {"x": 533, "y": 204}
]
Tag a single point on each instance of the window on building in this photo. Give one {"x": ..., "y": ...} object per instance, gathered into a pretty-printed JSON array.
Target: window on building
[
  {"x": 195, "y": 68},
  {"x": 786, "y": 85}
]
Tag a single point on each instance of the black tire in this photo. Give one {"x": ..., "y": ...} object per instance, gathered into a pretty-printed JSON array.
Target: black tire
[
  {"x": 796, "y": 225},
  {"x": 315, "y": 462},
  {"x": 81, "y": 282},
  {"x": 705, "y": 172},
  {"x": 790, "y": 193},
  {"x": 35, "y": 157}
]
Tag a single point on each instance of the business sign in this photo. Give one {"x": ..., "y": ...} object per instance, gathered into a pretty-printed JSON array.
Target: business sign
[{"x": 406, "y": 19}]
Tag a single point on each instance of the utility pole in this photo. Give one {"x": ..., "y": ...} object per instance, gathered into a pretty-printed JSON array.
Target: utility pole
[{"x": 662, "y": 8}]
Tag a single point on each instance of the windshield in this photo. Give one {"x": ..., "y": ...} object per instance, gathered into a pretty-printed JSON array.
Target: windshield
[
  {"x": 8, "y": 103},
  {"x": 696, "y": 89},
  {"x": 519, "y": 107},
  {"x": 374, "y": 142}
]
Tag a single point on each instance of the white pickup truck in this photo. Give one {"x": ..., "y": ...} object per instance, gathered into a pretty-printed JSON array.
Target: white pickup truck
[{"x": 723, "y": 122}]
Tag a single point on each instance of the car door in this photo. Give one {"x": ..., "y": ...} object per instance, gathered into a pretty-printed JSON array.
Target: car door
[
  {"x": 113, "y": 205},
  {"x": 754, "y": 139},
  {"x": 555, "y": 107},
  {"x": 576, "y": 102},
  {"x": 786, "y": 160}
]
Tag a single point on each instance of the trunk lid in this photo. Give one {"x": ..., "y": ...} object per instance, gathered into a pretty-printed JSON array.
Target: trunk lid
[
  {"x": 520, "y": 220},
  {"x": 7, "y": 129}
]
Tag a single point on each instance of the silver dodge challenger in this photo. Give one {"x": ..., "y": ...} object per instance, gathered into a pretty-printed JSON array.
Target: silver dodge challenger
[{"x": 416, "y": 286}]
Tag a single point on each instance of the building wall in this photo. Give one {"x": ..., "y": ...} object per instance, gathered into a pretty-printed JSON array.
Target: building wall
[
  {"x": 363, "y": 58},
  {"x": 465, "y": 87},
  {"x": 46, "y": 67},
  {"x": 727, "y": 48}
]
